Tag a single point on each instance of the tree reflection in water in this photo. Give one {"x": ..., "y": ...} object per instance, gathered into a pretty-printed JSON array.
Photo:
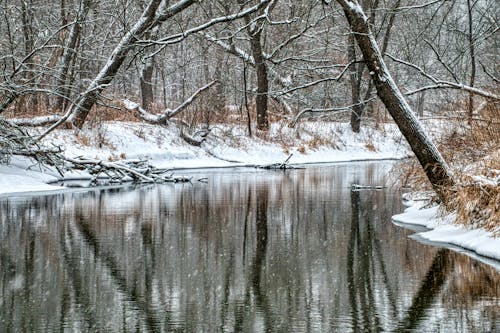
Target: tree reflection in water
[{"x": 257, "y": 252}]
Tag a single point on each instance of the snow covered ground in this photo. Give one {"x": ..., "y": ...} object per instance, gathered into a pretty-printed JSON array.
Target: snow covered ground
[
  {"x": 442, "y": 230},
  {"x": 15, "y": 178},
  {"x": 225, "y": 146}
]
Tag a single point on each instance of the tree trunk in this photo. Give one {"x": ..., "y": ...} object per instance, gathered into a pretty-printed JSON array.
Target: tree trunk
[
  {"x": 420, "y": 104},
  {"x": 261, "y": 100},
  {"x": 427, "y": 154},
  {"x": 472, "y": 63},
  {"x": 108, "y": 72},
  {"x": 356, "y": 76},
  {"x": 31, "y": 101},
  {"x": 355, "y": 82},
  {"x": 147, "y": 96},
  {"x": 147, "y": 21},
  {"x": 63, "y": 90}
]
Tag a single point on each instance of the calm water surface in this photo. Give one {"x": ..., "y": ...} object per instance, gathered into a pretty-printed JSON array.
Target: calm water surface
[{"x": 250, "y": 251}]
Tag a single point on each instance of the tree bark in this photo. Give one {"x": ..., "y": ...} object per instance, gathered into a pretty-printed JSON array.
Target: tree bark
[
  {"x": 113, "y": 64},
  {"x": 356, "y": 76},
  {"x": 63, "y": 91},
  {"x": 147, "y": 95},
  {"x": 31, "y": 101},
  {"x": 426, "y": 152},
  {"x": 261, "y": 100},
  {"x": 472, "y": 63},
  {"x": 355, "y": 82}
]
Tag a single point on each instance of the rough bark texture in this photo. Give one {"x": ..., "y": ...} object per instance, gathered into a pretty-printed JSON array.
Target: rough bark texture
[
  {"x": 261, "y": 100},
  {"x": 147, "y": 95},
  {"x": 431, "y": 160}
]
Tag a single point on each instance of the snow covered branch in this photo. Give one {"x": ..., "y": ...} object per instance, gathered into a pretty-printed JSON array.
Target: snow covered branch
[
  {"x": 35, "y": 121},
  {"x": 167, "y": 114},
  {"x": 125, "y": 171},
  {"x": 176, "y": 38},
  {"x": 443, "y": 84},
  {"x": 328, "y": 110}
]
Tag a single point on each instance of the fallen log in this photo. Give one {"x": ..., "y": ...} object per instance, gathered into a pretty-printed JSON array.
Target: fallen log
[
  {"x": 137, "y": 171},
  {"x": 278, "y": 166}
]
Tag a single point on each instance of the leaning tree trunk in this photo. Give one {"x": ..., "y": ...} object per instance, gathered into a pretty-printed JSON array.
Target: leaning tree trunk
[
  {"x": 356, "y": 76},
  {"x": 70, "y": 52},
  {"x": 108, "y": 72},
  {"x": 426, "y": 152},
  {"x": 147, "y": 21}
]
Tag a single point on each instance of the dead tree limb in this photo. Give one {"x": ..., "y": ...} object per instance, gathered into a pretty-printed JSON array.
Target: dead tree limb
[
  {"x": 36, "y": 121},
  {"x": 125, "y": 171},
  {"x": 166, "y": 115},
  {"x": 443, "y": 84}
]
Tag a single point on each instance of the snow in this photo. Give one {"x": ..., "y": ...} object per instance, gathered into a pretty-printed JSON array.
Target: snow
[
  {"x": 14, "y": 178},
  {"x": 478, "y": 241},
  {"x": 229, "y": 145},
  {"x": 226, "y": 146}
]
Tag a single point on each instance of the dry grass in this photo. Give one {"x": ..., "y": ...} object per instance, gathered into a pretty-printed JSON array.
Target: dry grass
[
  {"x": 473, "y": 154},
  {"x": 478, "y": 204},
  {"x": 83, "y": 139},
  {"x": 370, "y": 146}
]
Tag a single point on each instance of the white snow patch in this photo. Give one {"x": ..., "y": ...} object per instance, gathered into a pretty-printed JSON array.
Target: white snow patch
[
  {"x": 15, "y": 178},
  {"x": 443, "y": 230}
]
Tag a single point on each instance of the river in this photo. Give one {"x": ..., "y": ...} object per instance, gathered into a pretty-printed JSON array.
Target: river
[{"x": 248, "y": 250}]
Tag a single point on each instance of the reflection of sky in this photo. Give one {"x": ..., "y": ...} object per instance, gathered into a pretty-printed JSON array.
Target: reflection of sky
[{"x": 187, "y": 256}]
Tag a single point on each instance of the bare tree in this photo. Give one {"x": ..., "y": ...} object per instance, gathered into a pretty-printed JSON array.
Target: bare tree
[
  {"x": 472, "y": 62},
  {"x": 359, "y": 99},
  {"x": 255, "y": 30},
  {"x": 432, "y": 162},
  {"x": 83, "y": 105}
]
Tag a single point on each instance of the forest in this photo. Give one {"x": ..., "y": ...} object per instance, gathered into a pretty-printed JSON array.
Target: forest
[
  {"x": 249, "y": 165},
  {"x": 195, "y": 64}
]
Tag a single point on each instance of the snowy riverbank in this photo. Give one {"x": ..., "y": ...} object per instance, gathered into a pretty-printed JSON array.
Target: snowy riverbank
[
  {"x": 226, "y": 146},
  {"x": 442, "y": 230}
]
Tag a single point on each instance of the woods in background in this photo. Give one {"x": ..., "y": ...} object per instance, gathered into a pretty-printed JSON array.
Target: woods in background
[{"x": 284, "y": 57}]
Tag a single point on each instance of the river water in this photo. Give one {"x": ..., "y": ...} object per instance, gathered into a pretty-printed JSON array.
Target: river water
[{"x": 247, "y": 251}]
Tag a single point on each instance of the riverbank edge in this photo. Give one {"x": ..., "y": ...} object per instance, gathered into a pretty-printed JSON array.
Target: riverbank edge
[
  {"x": 47, "y": 187},
  {"x": 440, "y": 228}
]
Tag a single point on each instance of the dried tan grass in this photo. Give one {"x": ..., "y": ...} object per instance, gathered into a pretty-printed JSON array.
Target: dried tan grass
[
  {"x": 474, "y": 156},
  {"x": 477, "y": 204}
]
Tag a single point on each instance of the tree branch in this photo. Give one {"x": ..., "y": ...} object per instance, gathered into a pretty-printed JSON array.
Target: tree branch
[{"x": 443, "y": 84}]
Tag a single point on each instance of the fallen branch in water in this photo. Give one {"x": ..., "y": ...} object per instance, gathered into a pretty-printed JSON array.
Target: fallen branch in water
[
  {"x": 15, "y": 141},
  {"x": 137, "y": 171},
  {"x": 278, "y": 166},
  {"x": 357, "y": 187}
]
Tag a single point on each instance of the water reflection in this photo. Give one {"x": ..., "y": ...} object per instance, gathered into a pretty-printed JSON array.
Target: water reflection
[{"x": 251, "y": 251}]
